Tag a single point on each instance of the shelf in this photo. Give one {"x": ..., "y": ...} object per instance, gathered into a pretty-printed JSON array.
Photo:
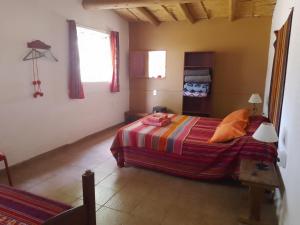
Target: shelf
[
  {"x": 200, "y": 97},
  {"x": 200, "y": 82},
  {"x": 200, "y": 67},
  {"x": 198, "y": 105}
]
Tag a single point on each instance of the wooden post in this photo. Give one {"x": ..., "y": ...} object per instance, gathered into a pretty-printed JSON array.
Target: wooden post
[
  {"x": 124, "y": 4},
  {"x": 256, "y": 196},
  {"x": 84, "y": 214},
  {"x": 88, "y": 187}
]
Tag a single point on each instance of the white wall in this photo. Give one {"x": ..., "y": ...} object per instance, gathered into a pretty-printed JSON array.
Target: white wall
[
  {"x": 290, "y": 123},
  {"x": 29, "y": 126}
]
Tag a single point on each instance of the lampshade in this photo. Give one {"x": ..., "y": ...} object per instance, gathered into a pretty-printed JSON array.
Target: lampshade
[
  {"x": 266, "y": 133},
  {"x": 255, "y": 98}
]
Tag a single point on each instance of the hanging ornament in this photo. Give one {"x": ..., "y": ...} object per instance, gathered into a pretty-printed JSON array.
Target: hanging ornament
[
  {"x": 36, "y": 80},
  {"x": 33, "y": 55}
]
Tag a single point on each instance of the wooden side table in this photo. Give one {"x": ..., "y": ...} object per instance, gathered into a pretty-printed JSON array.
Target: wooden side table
[{"x": 258, "y": 181}]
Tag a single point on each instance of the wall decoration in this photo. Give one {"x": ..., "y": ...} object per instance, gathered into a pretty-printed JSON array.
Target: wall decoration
[
  {"x": 34, "y": 54},
  {"x": 281, "y": 46}
]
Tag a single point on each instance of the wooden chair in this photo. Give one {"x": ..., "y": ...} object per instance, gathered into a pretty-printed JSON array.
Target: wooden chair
[{"x": 3, "y": 158}]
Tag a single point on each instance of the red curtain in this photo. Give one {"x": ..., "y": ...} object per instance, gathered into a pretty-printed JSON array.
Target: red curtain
[
  {"x": 75, "y": 85},
  {"x": 114, "y": 43}
]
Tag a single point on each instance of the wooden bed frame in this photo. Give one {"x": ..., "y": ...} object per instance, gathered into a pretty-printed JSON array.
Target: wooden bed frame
[{"x": 81, "y": 215}]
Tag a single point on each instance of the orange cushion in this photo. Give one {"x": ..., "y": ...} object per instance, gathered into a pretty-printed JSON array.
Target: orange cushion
[
  {"x": 241, "y": 114},
  {"x": 228, "y": 131}
]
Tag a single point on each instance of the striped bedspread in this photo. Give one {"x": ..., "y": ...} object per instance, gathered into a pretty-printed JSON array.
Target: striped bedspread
[
  {"x": 223, "y": 154},
  {"x": 198, "y": 159},
  {"x": 22, "y": 208},
  {"x": 163, "y": 139}
]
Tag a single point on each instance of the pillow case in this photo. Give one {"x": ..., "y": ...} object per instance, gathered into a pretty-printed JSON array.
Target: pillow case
[{"x": 228, "y": 131}]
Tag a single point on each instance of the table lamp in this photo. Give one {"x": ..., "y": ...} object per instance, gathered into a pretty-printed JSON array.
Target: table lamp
[
  {"x": 265, "y": 133},
  {"x": 255, "y": 99}
]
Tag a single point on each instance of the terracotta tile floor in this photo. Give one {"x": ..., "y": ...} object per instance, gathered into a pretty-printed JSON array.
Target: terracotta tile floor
[{"x": 132, "y": 196}]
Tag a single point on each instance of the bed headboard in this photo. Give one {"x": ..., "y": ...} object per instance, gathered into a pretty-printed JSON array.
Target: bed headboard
[{"x": 277, "y": 84}]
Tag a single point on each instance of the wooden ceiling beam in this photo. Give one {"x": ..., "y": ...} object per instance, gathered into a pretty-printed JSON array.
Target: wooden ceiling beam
[
  {"x": 148, "y": 15},
  {"x": 232, "y": 9},
  {"x": 252, "y": 8},
  {"x": 170, "y": 15},
  {"x": 204, "y": 9},
  {"x": 186, "y": 12},
  {"x": 133, "y": 14},
  {"x": 122, "y": 4}
]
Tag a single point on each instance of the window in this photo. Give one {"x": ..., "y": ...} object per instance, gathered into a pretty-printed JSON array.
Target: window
[
  {"x": 95, "y": 55},
  {"x": 156, "y": 64},
  {"x": 147, "y": 64}
]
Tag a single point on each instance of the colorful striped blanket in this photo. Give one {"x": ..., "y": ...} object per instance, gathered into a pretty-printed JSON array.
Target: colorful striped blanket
[
  {"x": 164, "y": 139},
  {"x": 22, "y": 208},
  {"x": 198, "y": 159}
]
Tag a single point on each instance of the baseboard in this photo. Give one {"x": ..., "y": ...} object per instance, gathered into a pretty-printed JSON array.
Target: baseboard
[{"x": 20, "y": 164}]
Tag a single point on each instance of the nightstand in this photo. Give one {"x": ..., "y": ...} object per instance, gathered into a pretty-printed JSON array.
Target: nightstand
[{"x": 258, "y": 182}]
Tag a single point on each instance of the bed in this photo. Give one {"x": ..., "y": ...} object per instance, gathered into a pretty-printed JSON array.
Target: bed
[
  {"x": 182, "y": 148},
  {"x": 18, "y": 207}
]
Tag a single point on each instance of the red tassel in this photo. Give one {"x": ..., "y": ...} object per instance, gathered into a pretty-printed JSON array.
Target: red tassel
[{"x": 36, "y": 81}]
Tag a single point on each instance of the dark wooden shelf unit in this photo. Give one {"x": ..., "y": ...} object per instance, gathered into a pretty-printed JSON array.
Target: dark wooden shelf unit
[{"x": 198, "y": 61}]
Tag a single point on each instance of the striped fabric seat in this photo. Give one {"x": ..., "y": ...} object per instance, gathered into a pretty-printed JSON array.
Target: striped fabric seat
[{"x": 22, "y": 208}]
